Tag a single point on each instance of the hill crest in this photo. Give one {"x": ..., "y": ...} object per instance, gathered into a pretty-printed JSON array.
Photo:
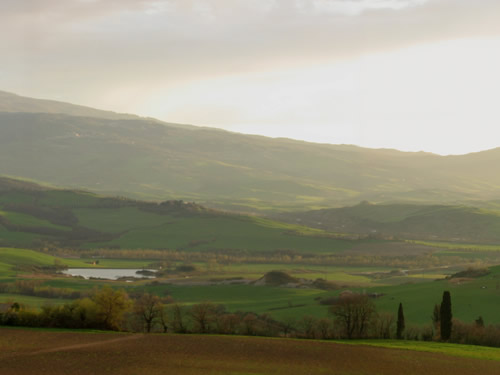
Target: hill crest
[{"x": 148, "y": 159}]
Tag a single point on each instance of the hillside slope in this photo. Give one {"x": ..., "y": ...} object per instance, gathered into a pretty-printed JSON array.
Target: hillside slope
[
  {"x": 37, "y": 217},
  {"x": 15, "y": 103},
  {"x": 431, "y": 222},
  {"x": 144, "y": 158}
]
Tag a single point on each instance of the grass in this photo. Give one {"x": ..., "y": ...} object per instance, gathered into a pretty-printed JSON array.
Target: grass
[
  {"x": 446, "y": 223},
  {"x": 97, "y": 222},
  {"x": 19, "y": 238},
  {"x": 458, "y": 246},
  {"x": 338, "y": 274},
  {"x": 119, "y": 219},
  {"x": 459, "y": 350},
  {"x": 30, "y": 301},
  {"x": 29, "y": 221},
  {"x": 470, "y": 299},
  {"x": 248, "y": 298},
  {"x": 224, "y": 232}
]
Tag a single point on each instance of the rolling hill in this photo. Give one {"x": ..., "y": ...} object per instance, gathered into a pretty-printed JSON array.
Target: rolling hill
[
  {"x": 37, "y": 217},
  {"x": 15, "y": 103},
  {"x": 78, "y": 147},
  {"x": 410, "y": 221}
]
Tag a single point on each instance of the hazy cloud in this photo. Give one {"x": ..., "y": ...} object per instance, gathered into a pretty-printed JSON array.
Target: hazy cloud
[
  {"x": 88, "y": 50},
  {"x": 234, "y": 34}
]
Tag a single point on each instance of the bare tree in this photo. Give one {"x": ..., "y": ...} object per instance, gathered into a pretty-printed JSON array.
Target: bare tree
[
  {"x": 323, "y": 328},
  {"x": 163, "y": 319},
  {"x": 307, "y": 323},
  {"x": 250, "y": 321},
  {"x": 149, "y": 309},
  {"x": 203, "y": 314},
  {"x": 353, "y": 313},
  {"x": 227, "y": 323},
  {"x": 178, "y": 319},
  {"x": 288, "y": 324},
  {"x": 384, "y": 325}
]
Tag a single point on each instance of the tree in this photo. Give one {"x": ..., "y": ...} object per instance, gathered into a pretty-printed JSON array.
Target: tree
[
  {"x": 203, "y": 314},
  {"x": 446, "y": 316},
  {"x": 178, "y": 319},
  {"x": 148, "y": 308},
  {"x": 288, "y": 324},
  {"x": 164, "y": 319},
  {"x": 227, "y": 323},
  {"x": 436, "y": 317},
  {"x": 353, "y": 313},
  {"x": 111, "y": 305},
  {"x": 249, "y": 323},
  {"x": 308, "y": 324},
  {"x": 323, "y": 328},
  {"x": 384, "y": 325},
  {"x": 401, "y": 322}
]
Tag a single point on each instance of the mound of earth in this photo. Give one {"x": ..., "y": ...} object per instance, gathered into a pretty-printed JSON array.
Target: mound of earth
[
  {"x": 277, "y": 278},
  {"x": 471, "y": 273}
]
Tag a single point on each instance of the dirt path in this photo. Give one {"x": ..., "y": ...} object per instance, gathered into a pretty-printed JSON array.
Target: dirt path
[
  {"x": 88, "y": 345},
  {"x": 78, "y": 346}
]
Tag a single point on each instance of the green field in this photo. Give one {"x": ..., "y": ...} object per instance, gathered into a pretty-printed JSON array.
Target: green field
[
  {"x": 448, "y": 226},
  {"x": 459, "y": 350},
  {"x": 39, "y": 218},
  {"x": 238, "y": 247},
  {"x": 470, "y": 298},
  {"x": 222, "y": 233},
  {"x": 29, "y": 301}
]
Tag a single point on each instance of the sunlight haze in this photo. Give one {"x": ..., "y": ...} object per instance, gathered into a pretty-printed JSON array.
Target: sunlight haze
[{"x": 412, "y": 75}]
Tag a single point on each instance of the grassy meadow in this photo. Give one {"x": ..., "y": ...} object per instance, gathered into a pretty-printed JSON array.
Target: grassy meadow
[
  {"x": 230, "y": 252},
  {"x": 471, "y": 298},
  {"x": 48, "y": 218}
]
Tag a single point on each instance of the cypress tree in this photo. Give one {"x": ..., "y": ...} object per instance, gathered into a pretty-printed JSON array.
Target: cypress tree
[
  {"x": 446, "y": 316},
  {"x": 401, "y": 322}
]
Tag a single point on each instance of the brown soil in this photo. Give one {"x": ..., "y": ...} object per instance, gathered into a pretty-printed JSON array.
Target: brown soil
[{"x": 26, "y": 352}]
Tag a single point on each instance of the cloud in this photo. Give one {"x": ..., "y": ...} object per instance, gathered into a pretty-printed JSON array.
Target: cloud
[
  {"x": 57, "y": 46},
  {"x": 268, "y": 28}
]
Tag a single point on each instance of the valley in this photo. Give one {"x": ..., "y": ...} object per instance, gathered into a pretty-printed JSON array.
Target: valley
[{"x": 263, "y": 242}]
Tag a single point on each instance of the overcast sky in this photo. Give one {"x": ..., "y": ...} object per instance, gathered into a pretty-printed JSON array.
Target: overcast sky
[{"x": 407, "y": 74}]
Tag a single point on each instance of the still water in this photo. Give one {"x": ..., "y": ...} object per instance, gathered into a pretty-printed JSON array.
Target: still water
[{"x": 105, "y": 273}]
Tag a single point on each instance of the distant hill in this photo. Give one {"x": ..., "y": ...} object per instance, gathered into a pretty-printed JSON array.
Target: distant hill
[
  {"x": 36, "y": 217},
  {"x": 14, "y": 103},
  {"x": 430, "y": 222},
  {"x": 78, "y": 147}
]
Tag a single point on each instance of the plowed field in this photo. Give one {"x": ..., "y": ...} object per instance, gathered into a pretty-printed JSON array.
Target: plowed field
[{"x": 26, "y": 352}]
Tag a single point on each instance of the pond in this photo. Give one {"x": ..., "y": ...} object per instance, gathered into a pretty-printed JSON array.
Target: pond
[{"x": 107, "y": 273}]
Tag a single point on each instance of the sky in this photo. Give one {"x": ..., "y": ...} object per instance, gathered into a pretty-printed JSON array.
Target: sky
[{"x": 415, "y": 75}]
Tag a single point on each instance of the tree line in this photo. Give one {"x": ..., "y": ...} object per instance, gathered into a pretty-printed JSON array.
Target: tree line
[
  {"x": 224, "y": 257},
  {"x": 351, "y": 316}
]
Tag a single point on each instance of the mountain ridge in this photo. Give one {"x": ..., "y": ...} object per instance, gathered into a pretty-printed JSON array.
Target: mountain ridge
[{"x": 149, "y": 159}]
